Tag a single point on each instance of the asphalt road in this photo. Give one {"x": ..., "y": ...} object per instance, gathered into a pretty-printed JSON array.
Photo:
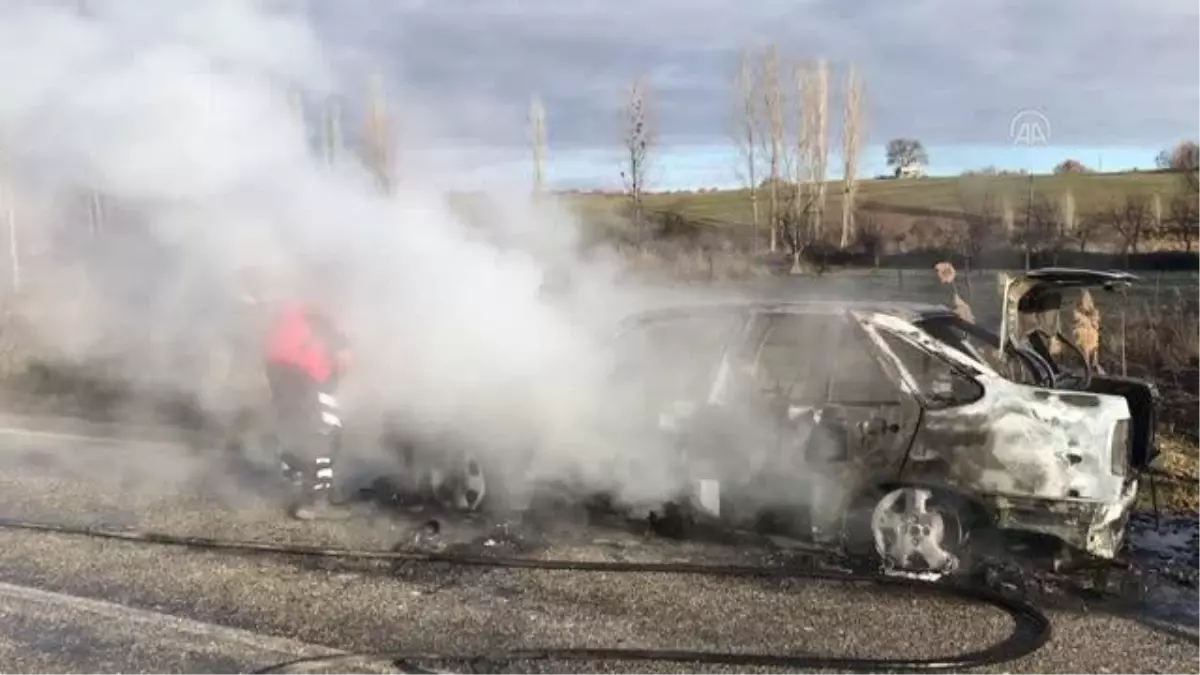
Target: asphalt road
[{"x": 71, "y": 604}]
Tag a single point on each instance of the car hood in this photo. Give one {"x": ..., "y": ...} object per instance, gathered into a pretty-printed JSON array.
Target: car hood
[{"x": 1035, "y": 297}]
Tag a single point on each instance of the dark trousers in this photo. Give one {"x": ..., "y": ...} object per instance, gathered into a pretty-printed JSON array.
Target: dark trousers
[{"x": 308, "y": 423}]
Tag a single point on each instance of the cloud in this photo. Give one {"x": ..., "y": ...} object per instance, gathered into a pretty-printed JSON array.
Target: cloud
[{"x": 948, "y": 72}]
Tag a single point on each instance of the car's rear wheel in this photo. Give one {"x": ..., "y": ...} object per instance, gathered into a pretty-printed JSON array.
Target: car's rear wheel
[
  {"x": 910, "y": 530},
  {"x": 916, "y": 530}
]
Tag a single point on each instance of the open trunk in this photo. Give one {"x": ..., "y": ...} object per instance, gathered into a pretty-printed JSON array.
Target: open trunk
[{"x": 1032, "y": 322}]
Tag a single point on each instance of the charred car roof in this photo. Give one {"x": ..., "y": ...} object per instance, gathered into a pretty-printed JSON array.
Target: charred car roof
[
  {"x": 1070, "y": 276},
  {"x": 909, "y": 311}
]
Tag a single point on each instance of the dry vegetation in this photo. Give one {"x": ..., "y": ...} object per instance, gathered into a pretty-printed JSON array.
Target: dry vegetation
[
  {"x": 688, "y": 265},
  {"x": 969, "y": 217},
  {"x": 1177, "y": 483}
]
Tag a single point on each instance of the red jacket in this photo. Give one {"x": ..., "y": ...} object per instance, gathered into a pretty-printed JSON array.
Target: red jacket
[{"x": 300, "y": 337}]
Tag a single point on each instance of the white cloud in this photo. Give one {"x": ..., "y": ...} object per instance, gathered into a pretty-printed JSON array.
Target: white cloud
[{"x": 943, "y": 70}]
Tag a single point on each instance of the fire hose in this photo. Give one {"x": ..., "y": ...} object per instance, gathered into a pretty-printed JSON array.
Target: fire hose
[{"x": 1031, "y": 628}]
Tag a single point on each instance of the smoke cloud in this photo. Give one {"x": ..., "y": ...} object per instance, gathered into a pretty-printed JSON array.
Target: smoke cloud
[{"x": 180, "y": 115}]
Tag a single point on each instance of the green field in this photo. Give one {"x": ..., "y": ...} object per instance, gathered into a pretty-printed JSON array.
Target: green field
[{"x": 1091, "y": 192}]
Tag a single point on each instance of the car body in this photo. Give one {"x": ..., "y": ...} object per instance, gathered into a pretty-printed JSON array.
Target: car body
[{"x": 888, "y": 401}]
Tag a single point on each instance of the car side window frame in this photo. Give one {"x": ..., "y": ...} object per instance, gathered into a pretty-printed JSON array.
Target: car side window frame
[
  {"x": 765, "y": 325},
  {"x": 862, "y": 339},
  {"x": 737, "y": 322},
  {"x": 890, "y": 361},
  {"x": 881, "y": 334}
]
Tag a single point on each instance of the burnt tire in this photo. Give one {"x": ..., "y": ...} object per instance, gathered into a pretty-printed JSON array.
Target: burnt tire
[
  {"x": 463, "y": 486},
  {"x": 911, "y": 530}
]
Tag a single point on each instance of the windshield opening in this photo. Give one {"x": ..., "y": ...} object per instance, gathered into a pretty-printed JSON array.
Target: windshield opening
[
  {"x": 673, "y": 358},
  {"x": 967, "y": 338}
]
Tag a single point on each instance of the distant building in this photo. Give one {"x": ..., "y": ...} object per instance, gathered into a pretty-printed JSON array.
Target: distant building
[{"x": 914, "y": 170}]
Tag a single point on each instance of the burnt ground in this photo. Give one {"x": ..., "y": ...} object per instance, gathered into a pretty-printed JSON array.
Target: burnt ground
[{"x": 71, "y": 604}]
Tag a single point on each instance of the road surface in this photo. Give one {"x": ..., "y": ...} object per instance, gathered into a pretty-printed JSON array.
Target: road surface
[{"x": 71, "y": 604}]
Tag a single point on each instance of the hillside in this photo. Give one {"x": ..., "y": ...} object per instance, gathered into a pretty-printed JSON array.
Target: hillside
[{"x": 911, "y": 198}]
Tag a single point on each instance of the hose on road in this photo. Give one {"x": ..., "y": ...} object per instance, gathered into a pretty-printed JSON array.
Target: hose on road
[{"x": 1031, "y": 628}]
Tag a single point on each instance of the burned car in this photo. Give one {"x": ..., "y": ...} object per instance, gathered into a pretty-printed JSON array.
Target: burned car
[{"x": 896, "y": 426}]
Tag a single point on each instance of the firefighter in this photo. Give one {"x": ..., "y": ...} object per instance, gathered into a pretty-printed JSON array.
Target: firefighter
[{"x": 304, "y": 356}]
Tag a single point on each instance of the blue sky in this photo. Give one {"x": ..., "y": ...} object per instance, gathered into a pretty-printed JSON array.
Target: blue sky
[{"x": 690, "y": 167}]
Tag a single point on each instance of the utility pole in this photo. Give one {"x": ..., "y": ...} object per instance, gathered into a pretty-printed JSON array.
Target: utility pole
[{"x": 1028, "y": 221}]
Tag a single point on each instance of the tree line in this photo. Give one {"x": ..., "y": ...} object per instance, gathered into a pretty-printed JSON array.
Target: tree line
[
  {"x": 781, "y": 128},
  {"x": 1041, "y": 225}
]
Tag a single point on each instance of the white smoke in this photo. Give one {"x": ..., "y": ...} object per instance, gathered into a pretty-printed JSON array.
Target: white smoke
[{"x": 179, "y": 111}]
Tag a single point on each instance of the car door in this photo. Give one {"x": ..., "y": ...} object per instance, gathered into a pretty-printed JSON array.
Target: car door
[
  {"x": 871, "y": 399},
  {"x": 848, "y": 421}
]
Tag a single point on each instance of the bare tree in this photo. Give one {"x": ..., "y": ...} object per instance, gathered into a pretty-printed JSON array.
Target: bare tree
[
  {"x": 747, "y": 134},
  {"x": 96, "y": 212},
  {"x": 378, "y": 136},
  {"x": 1184, "y": 159},
  {"x": 1133, "y": 221},
  {"x": 1068, "y": 219},
  {"x": 9, "y": 210},
  {"x": 1042, "y": 231},
  {"x": 905, "y": 152},
  {"x": 773, "y": 110},
  {"x": 804, "y": 145},
  {"x": 331, "y": 132},
  {"x": 1156, "y": 212},
  {"x": 1069, "y": 166},
  {"x": 851, "y": 139},
  {"x": 639, "y": 137},
  {"x": 537, "y": 133},
  {"x": 869, "y": 235},
  {"x": 1184, "y": 219},
  {"x": 800, "y": 228},
  {"x": 819, "y": 104},
  {"x": 1008, "y": 221},
  {"x": 982, "y": 220},
  {"x": 1039, "y": 230},
  {"x": 1184, "y": 156},
  {"x": 295, "y": 103},
  {"x": 1088, "y": 227}
]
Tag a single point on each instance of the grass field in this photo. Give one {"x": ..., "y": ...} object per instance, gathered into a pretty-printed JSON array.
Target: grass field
[{"x": 948, "y": 194}]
